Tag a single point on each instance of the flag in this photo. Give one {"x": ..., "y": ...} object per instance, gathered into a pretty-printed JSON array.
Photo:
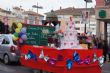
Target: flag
[{"x": 85, "y": 16}]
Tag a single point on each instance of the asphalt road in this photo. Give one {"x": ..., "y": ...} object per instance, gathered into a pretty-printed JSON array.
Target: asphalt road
[
  {"x": 17, "y": 68},
  {"x": 14, "y": 68}
]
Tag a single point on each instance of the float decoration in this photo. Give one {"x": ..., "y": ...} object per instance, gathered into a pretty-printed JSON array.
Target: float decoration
[
  {"x": 41, "y": 56},
  {"x": 101, "y": 61},
  {"x": 87, "y": 60},
  {"x": 95, "y": 57},
  {"x": 30, "y": 55},
  {"x": 76, "y": 57},
  {"x": 70, "y": 40},
  {"x": 52, "y": 61},
  {"x": 46, "y": 58},
  {"x": 69, "y": 61},
  {"x": 60, "y": 58},
  {"x": 20, "y": 34},
  {"x": 69, "y": 64}
]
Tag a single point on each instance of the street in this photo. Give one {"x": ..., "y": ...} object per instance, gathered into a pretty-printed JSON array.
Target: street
[{"x": 16, "y": 68}]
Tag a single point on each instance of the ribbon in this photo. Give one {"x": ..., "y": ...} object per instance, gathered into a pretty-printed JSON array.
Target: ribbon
[
  {"x": 41, "y": 56},
  {"x": 101, "y": 61},
  {"x": 52, "y": 61},
  {"x": 46, "y": 58},
  {"x": 95, "y": 58}
]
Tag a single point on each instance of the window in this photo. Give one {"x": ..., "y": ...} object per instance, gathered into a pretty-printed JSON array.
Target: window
[
  {"x": 77, "y": 28},
  {"x": 107, "y": 2},
  {"x": 77, "y": 22},
  {"x": 82, "y": 28},
  {"x": 92, "y": 25},
  {"x": 93, "y": 28},
  {"x": 5, "y": 42}
]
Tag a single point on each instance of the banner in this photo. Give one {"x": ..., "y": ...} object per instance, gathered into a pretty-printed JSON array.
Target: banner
[{"x": 85, "y": 16}]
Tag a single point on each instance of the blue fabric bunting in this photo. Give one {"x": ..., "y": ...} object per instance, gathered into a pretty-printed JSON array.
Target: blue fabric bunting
[
  {"x": 34, "y": 57},
  {"x": 31, "y": 55},
  {"x": 69, "y": 64},
  {"x": 76, "y": 57}
]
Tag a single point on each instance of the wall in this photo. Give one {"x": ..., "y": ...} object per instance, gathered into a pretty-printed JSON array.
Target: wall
[{"x": 100, "y": 3}]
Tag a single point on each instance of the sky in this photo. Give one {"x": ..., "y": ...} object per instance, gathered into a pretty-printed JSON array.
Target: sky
[{"x": 47, "y": 5}]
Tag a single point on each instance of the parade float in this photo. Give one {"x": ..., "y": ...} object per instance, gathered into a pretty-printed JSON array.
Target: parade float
[{"x": 69, "y": 57}]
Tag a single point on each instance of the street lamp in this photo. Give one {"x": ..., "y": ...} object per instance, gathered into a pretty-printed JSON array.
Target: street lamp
[
  {"x": 87, "y": 1},
  {"x": 37, "y": 7}
]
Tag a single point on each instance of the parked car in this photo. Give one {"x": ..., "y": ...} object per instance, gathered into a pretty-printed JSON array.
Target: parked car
[{"x": 9, "y": 51}]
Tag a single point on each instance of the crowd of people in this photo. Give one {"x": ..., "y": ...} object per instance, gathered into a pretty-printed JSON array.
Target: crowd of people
[{"x": 95, "y": 43}]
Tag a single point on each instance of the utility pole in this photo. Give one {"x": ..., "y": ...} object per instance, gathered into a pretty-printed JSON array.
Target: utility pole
[{"x": 20, "y": 15}]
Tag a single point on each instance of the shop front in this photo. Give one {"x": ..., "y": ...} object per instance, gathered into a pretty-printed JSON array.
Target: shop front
[{"x": 103, "y": 18}]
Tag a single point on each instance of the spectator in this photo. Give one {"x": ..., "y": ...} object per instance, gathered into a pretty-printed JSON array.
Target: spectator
[
  {"x": 99, "y": 43},
  {"x": 89, "y": 41},
  {"x": 105, "y": 49},
  {"x": 109, "y": 51}
]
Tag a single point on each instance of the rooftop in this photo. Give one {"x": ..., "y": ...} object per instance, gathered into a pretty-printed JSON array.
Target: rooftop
[
  {"x": 32, "y": 13},
  {"x": 72, "y": 11},
  {"x": 6, "y": 11},
  {"x": 18, "y": 8}
]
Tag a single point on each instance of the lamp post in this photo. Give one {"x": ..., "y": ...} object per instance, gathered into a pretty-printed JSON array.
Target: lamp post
[
  {"x": 20, "y": 15},
  {"x": 37, "y": 7},
  {"x": 87, "y": 1}
]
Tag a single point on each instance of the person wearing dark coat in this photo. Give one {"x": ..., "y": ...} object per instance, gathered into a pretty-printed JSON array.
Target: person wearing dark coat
[
  {"x": 109, "y": 52},
  {"x": 105, "y": 50}
]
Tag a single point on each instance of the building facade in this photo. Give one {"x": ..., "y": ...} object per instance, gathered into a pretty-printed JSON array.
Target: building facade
[
  {"x": 103, "y": 19},
  {"x": 33, "y": 17},
  {"x": 20, "y": 15},
  {"x": 80, "y": 17}
]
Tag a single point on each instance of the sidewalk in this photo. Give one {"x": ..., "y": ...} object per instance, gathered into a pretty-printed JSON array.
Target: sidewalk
[{"x": 106, "y": 68}]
